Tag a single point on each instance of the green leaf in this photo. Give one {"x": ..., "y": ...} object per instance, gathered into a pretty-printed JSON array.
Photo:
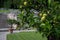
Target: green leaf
[{"x": 49, "y": 2}]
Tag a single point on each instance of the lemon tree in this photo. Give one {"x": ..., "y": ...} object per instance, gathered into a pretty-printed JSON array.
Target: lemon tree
[{"x": 46, "y": 20}]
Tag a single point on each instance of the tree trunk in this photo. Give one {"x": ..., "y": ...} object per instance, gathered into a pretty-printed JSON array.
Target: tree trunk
[{"x": 11, "y": 29}]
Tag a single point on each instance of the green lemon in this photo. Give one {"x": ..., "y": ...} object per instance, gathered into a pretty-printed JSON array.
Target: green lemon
[
  {"x": 20, "y": 6},
  {"x": 22, "y": 12},
  {"x": 48, "y": 12},
  {"x": 25, "y": 3},
  {"x": 40, "y": 14}
]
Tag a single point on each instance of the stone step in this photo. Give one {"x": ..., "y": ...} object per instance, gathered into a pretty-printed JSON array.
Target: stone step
[{"x": 4, "y": 29}]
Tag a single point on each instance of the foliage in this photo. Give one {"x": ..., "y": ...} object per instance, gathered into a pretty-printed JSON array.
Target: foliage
[
  {"x": 10, "y": 21},
  {"x": 47, "y": 20},
  {"x": 9, "y": 4}
]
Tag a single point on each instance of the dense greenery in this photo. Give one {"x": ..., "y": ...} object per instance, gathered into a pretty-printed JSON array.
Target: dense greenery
[
  {"x": 9, "y": 4},
  {"x": 25, "y": 36},
  {"x": 46, "y": 20}
]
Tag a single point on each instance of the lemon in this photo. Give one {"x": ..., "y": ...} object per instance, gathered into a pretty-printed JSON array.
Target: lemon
[
  {"x": 43, "y": 18},
  {"x": 22, "y": 12},
  {"x": 48, "y": 12},
  {"x": 40, "y": 14},
  {"x": 21, "y": 6},
  {"x": 44, "y": 14},
  {"x": 25, "y": 3},
  {"x": 42, "y": 24}
]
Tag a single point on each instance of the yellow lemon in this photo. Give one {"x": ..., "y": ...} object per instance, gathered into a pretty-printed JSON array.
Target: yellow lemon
[
  {"x": 43, "y": 18},
  {"x": 25, "y": 3},
  {"x": 44, "y": 14}
]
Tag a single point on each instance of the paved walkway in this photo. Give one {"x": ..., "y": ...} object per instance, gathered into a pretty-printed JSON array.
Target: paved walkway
[{"x": 3, "y": 35}]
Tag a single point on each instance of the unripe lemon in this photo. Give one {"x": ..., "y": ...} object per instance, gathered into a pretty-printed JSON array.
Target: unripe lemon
[
  {"x": 42, "y": 24},
  {"x": 40, "y": 14},
  {"x": 25, "y": 3},
  {"x": 48, "y": 12},
  {"x": 21, "y": 6},
  {"x": 22, "y": 12}
]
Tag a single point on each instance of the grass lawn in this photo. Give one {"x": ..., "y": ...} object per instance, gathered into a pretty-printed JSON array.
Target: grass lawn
[
  {"x": 4, "y": 10},
  {"x": 26, "y": 36}
]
